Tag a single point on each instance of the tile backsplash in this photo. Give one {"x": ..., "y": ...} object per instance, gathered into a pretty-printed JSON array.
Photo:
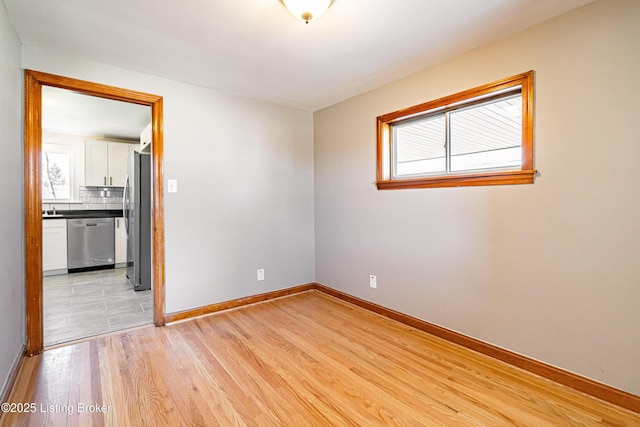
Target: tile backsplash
[{"x": 91, "y": 198}]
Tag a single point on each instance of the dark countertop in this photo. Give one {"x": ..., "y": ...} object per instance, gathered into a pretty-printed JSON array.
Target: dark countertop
[{"x": 94, "y": 213}]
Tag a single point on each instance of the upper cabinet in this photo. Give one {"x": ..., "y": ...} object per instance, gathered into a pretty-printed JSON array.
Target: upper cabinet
[
  {"x": 118, "y": 156},
  {"x": 145, "y": 139},
  {"x": 106, "y": 163}
]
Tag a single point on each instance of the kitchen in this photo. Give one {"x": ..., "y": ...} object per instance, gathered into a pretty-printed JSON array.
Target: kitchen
[{"x": 96, "y": 179}]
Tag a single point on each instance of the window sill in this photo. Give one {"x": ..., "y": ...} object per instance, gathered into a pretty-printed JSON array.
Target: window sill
[{"x": 486, "y": 178}]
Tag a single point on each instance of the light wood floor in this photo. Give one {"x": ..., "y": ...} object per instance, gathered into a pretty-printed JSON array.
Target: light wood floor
[{"x": 303, "y": 360}]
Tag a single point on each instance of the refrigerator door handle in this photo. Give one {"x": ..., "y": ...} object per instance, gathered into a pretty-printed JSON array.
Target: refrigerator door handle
[{"x": 125, "y": 202}]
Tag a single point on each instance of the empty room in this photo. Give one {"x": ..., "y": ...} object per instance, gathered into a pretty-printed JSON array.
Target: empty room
[{"x": 329, "y": 212}]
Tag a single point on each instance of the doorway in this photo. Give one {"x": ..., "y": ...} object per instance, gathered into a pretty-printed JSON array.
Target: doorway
[
  {"x": 88, "y": 146},
  {"x": 34, "y": 82}
]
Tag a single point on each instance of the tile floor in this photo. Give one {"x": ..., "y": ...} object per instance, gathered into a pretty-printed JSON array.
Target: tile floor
[{"x": 81, "y": 305}]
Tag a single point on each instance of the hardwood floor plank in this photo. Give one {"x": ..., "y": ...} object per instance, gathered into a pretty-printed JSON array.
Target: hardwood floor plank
[
  {"x": 323, "y": 382},
  {"x": 382, "y": 353},
  {"x": 303, "y": 360},
  {"x": 330, "y": 367},
  {"x": 215, "y": 378}
]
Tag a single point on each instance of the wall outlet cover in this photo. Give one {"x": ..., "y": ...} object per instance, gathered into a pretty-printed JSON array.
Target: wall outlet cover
[{"x": 172, "y": 185}]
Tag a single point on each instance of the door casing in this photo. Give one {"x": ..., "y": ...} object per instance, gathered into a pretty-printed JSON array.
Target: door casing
[{"x": 34, "y": 80}]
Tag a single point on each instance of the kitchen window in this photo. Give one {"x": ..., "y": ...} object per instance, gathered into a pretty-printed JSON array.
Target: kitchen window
[
  {"x": 482, "y": 136},
  {"x": 60, "y": 172}
]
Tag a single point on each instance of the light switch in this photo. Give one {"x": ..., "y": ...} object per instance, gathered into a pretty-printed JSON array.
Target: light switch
[{"x": 172, "y": 185}]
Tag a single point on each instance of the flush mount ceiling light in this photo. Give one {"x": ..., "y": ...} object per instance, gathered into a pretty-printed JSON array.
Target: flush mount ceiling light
[{"x": 307, "y": 10}]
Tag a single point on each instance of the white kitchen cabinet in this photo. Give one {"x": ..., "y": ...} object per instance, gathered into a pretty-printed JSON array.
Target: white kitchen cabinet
[
  {"x": 106, "y": 163},
  {"x": 118, "y": 158},
  {"x": 132, "y": 149},
  {"x": 145, "y": 139},
  {"x": 121, "y": 243},
  {"x": 54, "y": 246},
  {"x": 96, "y": 168}
]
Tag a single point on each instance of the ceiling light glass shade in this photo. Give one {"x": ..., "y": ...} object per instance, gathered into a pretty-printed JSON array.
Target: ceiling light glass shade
[{"x": 307, "y": 9}]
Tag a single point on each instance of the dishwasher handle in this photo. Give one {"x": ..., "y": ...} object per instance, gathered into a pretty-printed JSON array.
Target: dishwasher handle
[{"x": 81, "y": 223}]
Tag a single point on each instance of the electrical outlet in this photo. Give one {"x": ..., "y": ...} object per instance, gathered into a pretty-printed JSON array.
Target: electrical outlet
[
  {"x": 260, "y": 275},
  {"x": 373, "y": 281}
]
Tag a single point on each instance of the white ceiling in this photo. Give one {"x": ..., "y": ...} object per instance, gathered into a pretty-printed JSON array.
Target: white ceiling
[
  {"x": 74, "y": 113},
  {"x": 255, "y": 48}
]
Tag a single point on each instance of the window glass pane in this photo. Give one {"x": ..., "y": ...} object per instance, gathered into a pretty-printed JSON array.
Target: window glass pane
[
  {"x": 487, "y": 136},
  {"x": 420, "y": 147},
  {"x": 56, "y": 175}
]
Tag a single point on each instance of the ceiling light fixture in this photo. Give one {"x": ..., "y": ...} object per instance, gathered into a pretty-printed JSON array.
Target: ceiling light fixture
[{"x": 307, "y": 9}]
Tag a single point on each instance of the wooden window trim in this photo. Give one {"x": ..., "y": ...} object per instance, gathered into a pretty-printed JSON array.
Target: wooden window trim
[{"x": 523, "y": 176}]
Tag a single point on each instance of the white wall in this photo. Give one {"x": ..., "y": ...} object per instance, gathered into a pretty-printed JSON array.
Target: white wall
[
  {"x": 245, "y": 185},
  {"x": 550, "y": 270},
  {"x": 11, "y": 220}
]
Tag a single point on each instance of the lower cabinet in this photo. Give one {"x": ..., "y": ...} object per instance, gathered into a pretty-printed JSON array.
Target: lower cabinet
[
  {"x": 121, "y": 243},
  {"x": 54, "y": 246}
]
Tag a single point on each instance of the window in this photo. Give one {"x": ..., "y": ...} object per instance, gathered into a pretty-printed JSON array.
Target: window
[
  {"x": 56, "y": 175},
  {"x": 483, "y": 136},
  {"x": 60, "y": 172}
]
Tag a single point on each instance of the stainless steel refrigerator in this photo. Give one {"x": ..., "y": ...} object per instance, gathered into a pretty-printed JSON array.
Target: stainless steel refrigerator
[{"x": 137, "y": 219}]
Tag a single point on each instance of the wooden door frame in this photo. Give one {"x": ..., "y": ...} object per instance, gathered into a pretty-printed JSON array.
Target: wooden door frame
[{"x": 33, "y": 81}]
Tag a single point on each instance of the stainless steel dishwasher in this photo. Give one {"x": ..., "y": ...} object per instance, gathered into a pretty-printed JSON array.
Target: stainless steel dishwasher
[{"x": 90, "y": 244}]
